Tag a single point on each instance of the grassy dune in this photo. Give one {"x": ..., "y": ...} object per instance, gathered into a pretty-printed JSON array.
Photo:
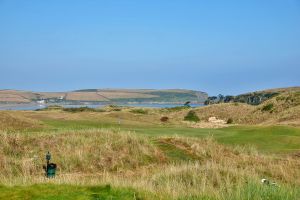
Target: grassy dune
[{"x": 283, "y": 109}]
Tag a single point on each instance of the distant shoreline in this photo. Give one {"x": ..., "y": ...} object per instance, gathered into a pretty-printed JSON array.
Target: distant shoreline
[{"x": 35, "y": 106}]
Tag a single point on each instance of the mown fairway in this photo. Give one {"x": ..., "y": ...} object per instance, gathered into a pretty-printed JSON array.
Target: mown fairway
[{"x": 268, "y": 139}]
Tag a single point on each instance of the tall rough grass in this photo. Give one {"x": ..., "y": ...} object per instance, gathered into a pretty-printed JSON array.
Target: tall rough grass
[
  {"x": 124, "y": 159},
  {"x": 75, "y": 151},
  {"x": 14, "y": 120}
]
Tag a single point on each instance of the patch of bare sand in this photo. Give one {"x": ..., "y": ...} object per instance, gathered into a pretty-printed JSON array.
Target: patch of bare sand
[{"x": 212, "y": 122}]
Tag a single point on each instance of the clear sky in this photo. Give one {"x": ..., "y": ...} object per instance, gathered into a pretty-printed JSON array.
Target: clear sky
[{"x": 217, "y": 46}]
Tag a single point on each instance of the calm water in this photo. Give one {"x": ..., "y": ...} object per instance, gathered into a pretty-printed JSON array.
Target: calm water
[{"x": 40, "y": 106}]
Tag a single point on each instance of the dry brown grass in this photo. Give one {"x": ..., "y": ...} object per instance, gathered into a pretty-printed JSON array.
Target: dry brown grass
[
  {"x": 280, "y": 90},
  {"x": 143, "y": 90},
  {"x": 285, "y": 110},
  {"x": 237, "y": 111},
  {"x": 15, "y": 120},
  {"x": 85, "y": 96},
  {"x": 75, "y": 151},
  {"x": 109, "y": 116},
  {"x": 127, "y": 160},
  {"x": 124, "y": 95},
  {"x": 286, "y": 107},
  {"x": 16, "y": 96}
]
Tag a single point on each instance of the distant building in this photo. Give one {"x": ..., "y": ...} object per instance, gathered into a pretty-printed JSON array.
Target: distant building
[{"x": 42, "y": 101}]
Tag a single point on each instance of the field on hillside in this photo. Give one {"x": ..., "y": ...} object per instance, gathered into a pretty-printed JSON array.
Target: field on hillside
[
  {"x": 104, "y": 95},
  {"x": 139, "y": 153}
]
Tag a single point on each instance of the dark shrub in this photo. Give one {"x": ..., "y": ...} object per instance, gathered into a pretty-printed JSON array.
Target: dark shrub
[
  {"x": 230, "y": 121},
  {"x": 115, "y": 107},
  {"x": 191, "y": 116},
  {"x": 81, "y": 109},
  {"x": 164, "y": 119},
  {"x": 177, "y": 108},
  {"x": 267, "y": 107},
  {"x": 139, "y": 111}
]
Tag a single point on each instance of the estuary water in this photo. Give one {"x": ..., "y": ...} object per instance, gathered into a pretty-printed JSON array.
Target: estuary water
[{"x": 40, "y": 106}]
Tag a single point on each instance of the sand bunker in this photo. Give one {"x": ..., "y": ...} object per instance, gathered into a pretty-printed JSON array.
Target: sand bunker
[{"x": 212, "y": 122}]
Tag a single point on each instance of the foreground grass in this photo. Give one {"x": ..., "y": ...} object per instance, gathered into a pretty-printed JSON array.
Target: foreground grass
[
  {"x": 164, "y": 167},
  {"x": 72, "y": 192},
  {"x": 66, "y": 192}
]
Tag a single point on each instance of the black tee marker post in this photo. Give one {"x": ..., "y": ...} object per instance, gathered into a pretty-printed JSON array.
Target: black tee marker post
[
  {"x": 50, "y": 168},
  {"x": 48, "y": 157}
]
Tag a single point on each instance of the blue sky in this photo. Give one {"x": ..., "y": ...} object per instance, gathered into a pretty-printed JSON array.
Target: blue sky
[{"x": 227, "y": 47}]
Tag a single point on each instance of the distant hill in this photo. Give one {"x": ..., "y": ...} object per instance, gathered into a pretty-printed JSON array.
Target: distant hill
[
  {"x": 252, "y": 98},
  {"x": 258, "y": 97},
  {"x": 105, "y": 95}
]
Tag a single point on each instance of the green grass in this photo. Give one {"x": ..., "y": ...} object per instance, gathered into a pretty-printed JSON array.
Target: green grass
[
  {"x": 173, "y": 153},
  {"x": 191, "y": 116},
  {"x": 66, "y": 192},
  {"x": 267, "y": 107},
  {"x": 268, "y": 139},
  {"x": 76, "y": 124},
  {"x": 176, "y": 108},
  {"x": 272, "y": 139},
  {"x": 139, "y": 111},
  {"x": 275, "y": 139},
  {"x": 82, "y": 109},
  {"x": 73, "y": 192}
]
